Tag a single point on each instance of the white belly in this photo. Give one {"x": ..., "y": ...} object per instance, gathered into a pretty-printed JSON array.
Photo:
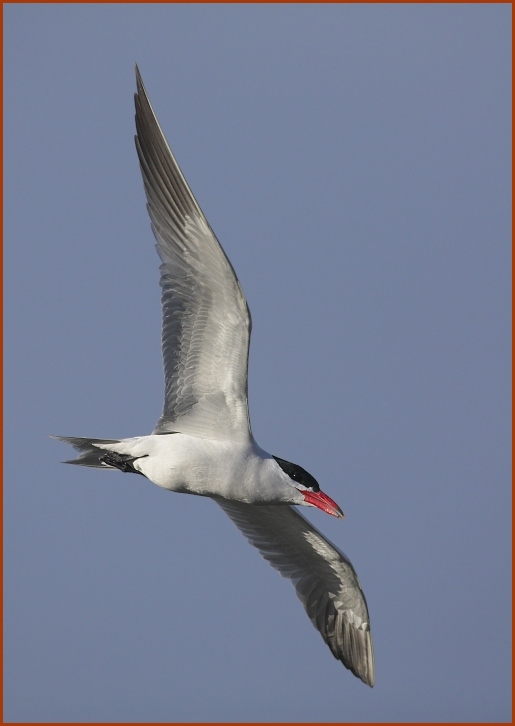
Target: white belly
[
  {"x": 182, "y": 463},
  {"x": 188, "y": 464}
]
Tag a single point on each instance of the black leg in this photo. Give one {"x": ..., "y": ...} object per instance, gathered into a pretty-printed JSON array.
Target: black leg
[{"x": 123, "y": 462}]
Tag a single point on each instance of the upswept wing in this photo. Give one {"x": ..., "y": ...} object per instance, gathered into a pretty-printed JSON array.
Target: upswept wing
[
  {"x": 324, "y": 579},
  {"x": 206, "y": 320}
]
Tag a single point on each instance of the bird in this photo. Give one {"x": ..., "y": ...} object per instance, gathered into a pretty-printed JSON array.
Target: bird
[{"x": 203, "y": 444}]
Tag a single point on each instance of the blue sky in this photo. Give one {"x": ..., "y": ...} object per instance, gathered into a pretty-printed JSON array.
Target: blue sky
[{"x": 354, "y": 161}]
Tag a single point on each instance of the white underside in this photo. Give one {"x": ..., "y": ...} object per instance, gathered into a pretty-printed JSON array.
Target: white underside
[{"x": 233, "y": 470}]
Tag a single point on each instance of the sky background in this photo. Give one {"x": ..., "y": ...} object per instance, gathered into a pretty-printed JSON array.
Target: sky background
[{"x": 354, "y": 161}]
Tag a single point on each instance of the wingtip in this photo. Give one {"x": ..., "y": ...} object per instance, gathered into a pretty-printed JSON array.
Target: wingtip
[
  {"x": 139, "y": 80},
  {"x": 369, "y": 677}
]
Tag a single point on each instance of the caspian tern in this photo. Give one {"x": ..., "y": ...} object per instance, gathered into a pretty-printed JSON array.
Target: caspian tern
[{"x": 203, "y": 443}]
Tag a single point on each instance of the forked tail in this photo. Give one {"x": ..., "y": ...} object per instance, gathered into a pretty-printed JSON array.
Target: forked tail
[{"x": 89, "y": 453}]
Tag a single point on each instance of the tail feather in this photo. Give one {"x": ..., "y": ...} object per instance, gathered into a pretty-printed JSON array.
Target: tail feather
[{"x": 89, "y": 453}]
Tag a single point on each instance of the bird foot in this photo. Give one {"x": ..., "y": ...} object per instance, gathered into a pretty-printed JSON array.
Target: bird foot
[{"x": 123, "y": 462}]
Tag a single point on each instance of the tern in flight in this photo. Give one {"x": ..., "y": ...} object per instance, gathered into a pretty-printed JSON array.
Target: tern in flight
[{"x": 203, "y": 443}]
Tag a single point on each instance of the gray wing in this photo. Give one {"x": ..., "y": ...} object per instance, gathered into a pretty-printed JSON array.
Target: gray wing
[
  {"x": 323, "y": 577},
  {"x": 206, "y": 321}
]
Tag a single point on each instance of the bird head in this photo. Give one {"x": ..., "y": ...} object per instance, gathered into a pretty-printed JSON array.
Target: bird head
[{"x": 308, "y": 487}]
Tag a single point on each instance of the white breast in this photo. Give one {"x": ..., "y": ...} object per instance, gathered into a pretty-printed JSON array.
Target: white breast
[{"x": 233, "y": 470}]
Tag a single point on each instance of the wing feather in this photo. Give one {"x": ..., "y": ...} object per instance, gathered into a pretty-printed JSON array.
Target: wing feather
[
  {"x": 206, "y": 321},
  {"x": 324, "y": 578}
]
